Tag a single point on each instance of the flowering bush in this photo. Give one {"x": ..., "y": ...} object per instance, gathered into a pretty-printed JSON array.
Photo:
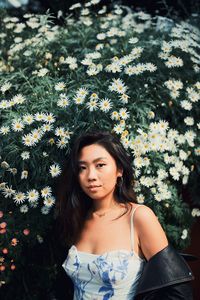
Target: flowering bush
[{"x": 121, "y": 71}]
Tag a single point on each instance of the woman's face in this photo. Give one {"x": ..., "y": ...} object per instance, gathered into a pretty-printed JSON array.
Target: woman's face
[{"x": 98, "y": 172}]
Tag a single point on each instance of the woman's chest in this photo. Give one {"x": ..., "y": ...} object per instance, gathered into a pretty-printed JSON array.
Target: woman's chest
[{"x": 98, "y": 237}]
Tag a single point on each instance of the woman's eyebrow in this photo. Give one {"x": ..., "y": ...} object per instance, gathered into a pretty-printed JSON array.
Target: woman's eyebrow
[{"x": 95, "y": 160}]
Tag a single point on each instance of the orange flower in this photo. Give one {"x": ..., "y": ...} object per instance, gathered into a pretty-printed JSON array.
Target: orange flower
[
  {"x": 13, "y": 267},
  {"x": 3, "y": 225},
  {"x": 2, "y": 268},
  {"x": 5, "y": 251},
  {"x": 14, "y": 242},
  {"x": 2, "y": 231},
  {"x": 1, "y": 214},
  {"x": 26, "y": 231}
]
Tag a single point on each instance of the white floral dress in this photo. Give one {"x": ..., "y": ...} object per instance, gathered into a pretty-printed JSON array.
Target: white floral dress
[{"x": 111, "y": 275}]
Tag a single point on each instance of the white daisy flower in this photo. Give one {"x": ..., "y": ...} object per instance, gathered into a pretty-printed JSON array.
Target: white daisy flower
[
  {"x": 184, "y": 234},
  {"x": 194, "y": 96},
  {"x": 19, "y": 197},
  {"x": 147, "y": 181},
  {"x": 42, "y": 72},
  {"x": 195, "y": 212},
  {"x": 82, "y": 92},
  {"x": 92, "y": 105},
  {"x": 18, "y": 99},
  {"x": 105, "y": 105},
  {"x": 74, "y": 6},
  {"x": 197, "y": 151},
  {"x": 28, "y": 140},
  {"x": 174, "y": 94},
  {"x": 13, "y": 171},
  {"x": 118, "y": 86},
  {"x": 162, "y": 174},
  {"x": 62, "y": 143},
  {"x": 17, "y": 125},
  {"x": 158, "y": 197},
  {"x": 45, "y": 210},
  {"x": 48, "y": 55},
  {"x": 4, "y": 130},
  {"x": 8, "y": 192},
  {"x": 140, "y": 198},
  {"x": 151, "y": 67},
  {"x": 71, "y": 60},
  {"x": 36, "y": 134},
  {"x": 136, "y": 52},
  {"x": 5, "y": 165},
  {"x": 163, "y": 126},
  {"x": 151, "y": 115},
  {"x": 28, "y": 119},
  {"x": 174, "y": 61},
  {"x": 24, "y": 174},
  {"x": 60, "y": 86},
  {"x": 174, "y": 173},
  {"x": 189, "y": 121},
  {"x": 55, "y": 170},
  {"x": 24, "y": 209},
  {"x": 125, "y": 142},
  {"x": 25, "y": 155},
  {"x": 5, "y": 87},
  {"x": 138, "y": 162},
  {"x": 133, "y": 40},
  {"x": 2, "y": 185},
  {"x": 118, "y": 128},
  {"x": 46, "y": 128},
  {"x": 94, "y": 96},
  {"x": 46, "y": 192},
  {"x": 114, "y": 115},
  {"x": 60, "y": 131},
  {"x": 186, "y": 105},
  {"x": 166, "y": 47},
  {"x": 39, "y": 116},
  {"x": 124, "y": 114},
  {"x": 87, "y": 62},
  {"x": 79, "y": 100},
  {"x": 32, "y": 195},
  {"x": 5, "y": 104},
  {"x": 114, "y": 68},
  {"x": 49, "y": 201},
  {"x": 49, "y": 118},
  {"x": 101, "y": 36},
  {"x": 63, "y": 102}
]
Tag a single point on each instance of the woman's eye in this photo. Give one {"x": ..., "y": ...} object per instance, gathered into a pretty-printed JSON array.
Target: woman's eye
[
  {"x": 81, "y": 168},
  {"x": 100, "y": 165}
]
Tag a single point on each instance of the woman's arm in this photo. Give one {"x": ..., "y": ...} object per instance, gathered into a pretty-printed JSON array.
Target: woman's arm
[{"x": 151, "y": 235}]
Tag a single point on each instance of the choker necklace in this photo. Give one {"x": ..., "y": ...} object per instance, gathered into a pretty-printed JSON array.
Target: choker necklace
[{"x": 100, "y": 215}]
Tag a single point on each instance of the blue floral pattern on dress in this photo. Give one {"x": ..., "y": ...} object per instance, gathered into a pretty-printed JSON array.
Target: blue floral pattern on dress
[{"x": 110, "y": 272}]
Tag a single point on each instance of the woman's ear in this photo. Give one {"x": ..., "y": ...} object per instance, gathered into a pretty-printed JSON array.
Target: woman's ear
[{"x": 119, "y": 172}]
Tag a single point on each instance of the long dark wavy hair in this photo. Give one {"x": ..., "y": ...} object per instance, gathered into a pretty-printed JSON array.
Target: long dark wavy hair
[{"x": 73, "y": 204}]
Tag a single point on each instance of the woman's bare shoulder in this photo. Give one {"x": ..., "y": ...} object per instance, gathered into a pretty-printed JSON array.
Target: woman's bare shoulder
[
  {"x": 142, "y": 210},
  {"x": 150, "y": 232}
]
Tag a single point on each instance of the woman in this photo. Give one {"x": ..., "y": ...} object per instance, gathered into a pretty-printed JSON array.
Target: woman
[{"x": 113, "y": 242}]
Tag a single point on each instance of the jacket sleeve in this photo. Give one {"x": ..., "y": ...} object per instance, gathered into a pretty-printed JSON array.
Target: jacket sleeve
[{"x": 165, "y": 276}]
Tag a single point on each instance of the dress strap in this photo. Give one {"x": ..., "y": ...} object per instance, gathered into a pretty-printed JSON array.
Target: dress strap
[{"x": 132, "y": 227}]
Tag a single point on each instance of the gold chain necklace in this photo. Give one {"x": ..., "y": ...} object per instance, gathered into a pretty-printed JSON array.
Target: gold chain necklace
[{"x": 100, "y": 215}]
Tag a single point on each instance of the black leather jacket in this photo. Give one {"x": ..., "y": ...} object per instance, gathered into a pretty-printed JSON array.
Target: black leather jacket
[{"x": 166, "y": 276}]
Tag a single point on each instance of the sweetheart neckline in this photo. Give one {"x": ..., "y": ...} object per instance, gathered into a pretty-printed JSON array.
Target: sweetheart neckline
[{"x": 107, "y": 252}]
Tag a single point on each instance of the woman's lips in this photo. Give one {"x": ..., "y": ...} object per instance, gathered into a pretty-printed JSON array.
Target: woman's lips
[{"x": 94, "y": 188}]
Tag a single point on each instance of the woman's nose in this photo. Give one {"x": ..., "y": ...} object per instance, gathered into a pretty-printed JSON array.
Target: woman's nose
[{"x": 92, "y": 174}]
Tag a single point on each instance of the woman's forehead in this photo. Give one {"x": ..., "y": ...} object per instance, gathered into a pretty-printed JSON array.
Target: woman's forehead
[{"x": 94, "y": 152}]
